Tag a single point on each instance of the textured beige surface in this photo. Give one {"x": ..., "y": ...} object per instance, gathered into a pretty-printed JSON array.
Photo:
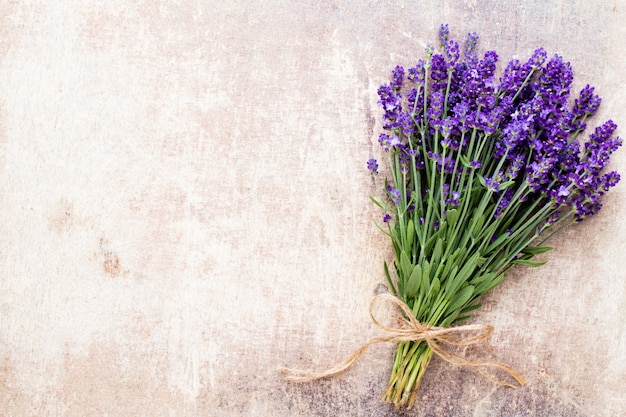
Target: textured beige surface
[{"x": 185, "y": 208}]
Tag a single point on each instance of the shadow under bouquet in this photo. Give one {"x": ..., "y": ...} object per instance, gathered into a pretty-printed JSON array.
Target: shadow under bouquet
[{"x": 482, "y": 171}]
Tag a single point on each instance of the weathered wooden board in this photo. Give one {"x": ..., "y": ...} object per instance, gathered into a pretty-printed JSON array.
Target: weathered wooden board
[{"x": 185, "y": 208}]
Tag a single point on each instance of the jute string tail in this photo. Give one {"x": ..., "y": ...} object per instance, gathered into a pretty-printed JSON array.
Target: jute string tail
[{"x": 411, "y": 329}]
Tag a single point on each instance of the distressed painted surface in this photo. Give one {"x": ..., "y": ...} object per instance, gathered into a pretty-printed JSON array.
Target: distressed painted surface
[{"x": 185, "y": 208}]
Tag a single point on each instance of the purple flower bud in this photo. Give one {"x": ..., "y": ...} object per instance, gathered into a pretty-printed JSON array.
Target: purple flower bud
[
  {"x": 454, "y": 201},
  {"x": 397, "y": 76},
  {"x": 444, "y": 32},
  {"x": 538, "y": 58},
  {"x": 476, "y": 164},
  {"x": 587, "y": 103},
  {"x": 452, "y": 52},
  {"x": 470, "y": 46},
  {"x": 372, "y": 165},
  {"x": 404, "y": 162},
  {"x": 491, "y": 184},
  {"x": 394, "y": 195}
]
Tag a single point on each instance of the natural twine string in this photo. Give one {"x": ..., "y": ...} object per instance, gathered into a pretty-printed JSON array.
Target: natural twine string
[{"x": 412, "y": 330}]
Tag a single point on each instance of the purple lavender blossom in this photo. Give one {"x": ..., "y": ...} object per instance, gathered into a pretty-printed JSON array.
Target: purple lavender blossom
[
  {"x": 452, "y": 51},
  {"x": 372, "y": 166},
  {"x": 417, "y": 74},
  {"x": 435, "y": 107},
  {"x": 397, "y": 76},
  {"x": 404, "y": 162},
  {"x": 444, "y": 33},
  {"x": 454, "y": 199},
  {"x": 394, "y": 195},
  {"x": 504, "y": 202},
  {"x": 476, "y": 164},
  {"x": 587, "y": 103},
  {"x": 439, "y": 72},
  {"x": 388, "y": 142},
  {"x": 470, "y": 46},
  {"x": 491, "y": 184},
  {"x": 538, "y": 58}
]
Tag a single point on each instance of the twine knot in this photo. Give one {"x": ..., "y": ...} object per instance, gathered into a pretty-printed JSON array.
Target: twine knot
[{"x": 410, "y": 329}]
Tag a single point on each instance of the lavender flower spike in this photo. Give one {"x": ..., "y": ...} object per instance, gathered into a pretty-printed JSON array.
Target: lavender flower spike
[{"x": 372, "y": 166}]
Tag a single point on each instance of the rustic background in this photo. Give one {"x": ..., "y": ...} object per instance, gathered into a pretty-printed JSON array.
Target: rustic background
[{"x": 184, "y": 208}]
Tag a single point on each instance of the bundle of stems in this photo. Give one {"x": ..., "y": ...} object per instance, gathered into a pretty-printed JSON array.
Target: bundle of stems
[{"x": 481, "y": 172}]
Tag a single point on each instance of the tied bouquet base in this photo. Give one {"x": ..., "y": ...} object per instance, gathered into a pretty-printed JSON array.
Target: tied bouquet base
[{"x": 409, "y": 367}]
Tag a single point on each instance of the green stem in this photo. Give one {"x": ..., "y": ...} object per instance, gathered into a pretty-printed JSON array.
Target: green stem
[{"x": 410, "y": 363}]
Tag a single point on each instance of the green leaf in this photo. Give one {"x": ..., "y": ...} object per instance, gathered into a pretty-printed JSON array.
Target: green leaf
[
  {"x": 438, "y": 308},
  {"x": 395, "y": 240},
  {"x": 425, "y": 277},
  {"x": 382, "y": 230},
  {"x": 465, "y": 161},
  {"x": 376, "y": 202},
  {"x": 482, "y": 181},
  {"x": 434, "y": 287},
  {"x": 418, "y": 232},
  {"x": 405, "y": 265},
  {"x": 449, "y": 277},
  {"x": 434, "y": 260},
  {"x": 536, "y": 250},
  {"x": 429, "y": 243},
  {"x": 451, "y": 263},
  {"x": 413, "y": 283},
  {"x": 489, "y": 231},
  {"x": 443, "y": 226},
  {"x": 461, "y": 298},
  {"x": 499, "y": 241},
  {"x": 526, "y": 262},
  {"x": 438, "y": 271},
  {"x": 485, "y": 286},
  {"x": 485, "y": 277},
  {"x": 460, "y": 319},
  {"x": 410, "y": 235},
  {"x": 393, "y": 288},
  {"x": 463, "y": 275},
  {"x": 470, "y": 307},
  {"x": 452, "y": 216},
  {"x": 478, "y": 226},
  {"x": 505, "y": 185}
]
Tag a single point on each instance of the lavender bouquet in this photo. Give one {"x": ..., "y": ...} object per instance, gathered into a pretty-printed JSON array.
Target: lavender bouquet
[{"x": 482, "y": 171}]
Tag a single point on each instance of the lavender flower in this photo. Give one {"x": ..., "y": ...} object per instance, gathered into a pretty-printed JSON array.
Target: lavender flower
[
  {"x": 470, "y": 46},
  {"x": 404, "y": 161},
  {"x": 394, "y": 195},
  {"x": 397, "y": 76},
  {"x": 504, "y": 202},
  {"x": 454, "y": 200},
  {"x": 475, "y": 164},
  {"x": 491, "y": 184},
  {"x": 372, "y": 166},
  {"x": 587, "y": 104}
]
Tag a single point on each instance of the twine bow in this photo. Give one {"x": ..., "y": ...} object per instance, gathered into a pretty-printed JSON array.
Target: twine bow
[{"x": 411, "y": 329}]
